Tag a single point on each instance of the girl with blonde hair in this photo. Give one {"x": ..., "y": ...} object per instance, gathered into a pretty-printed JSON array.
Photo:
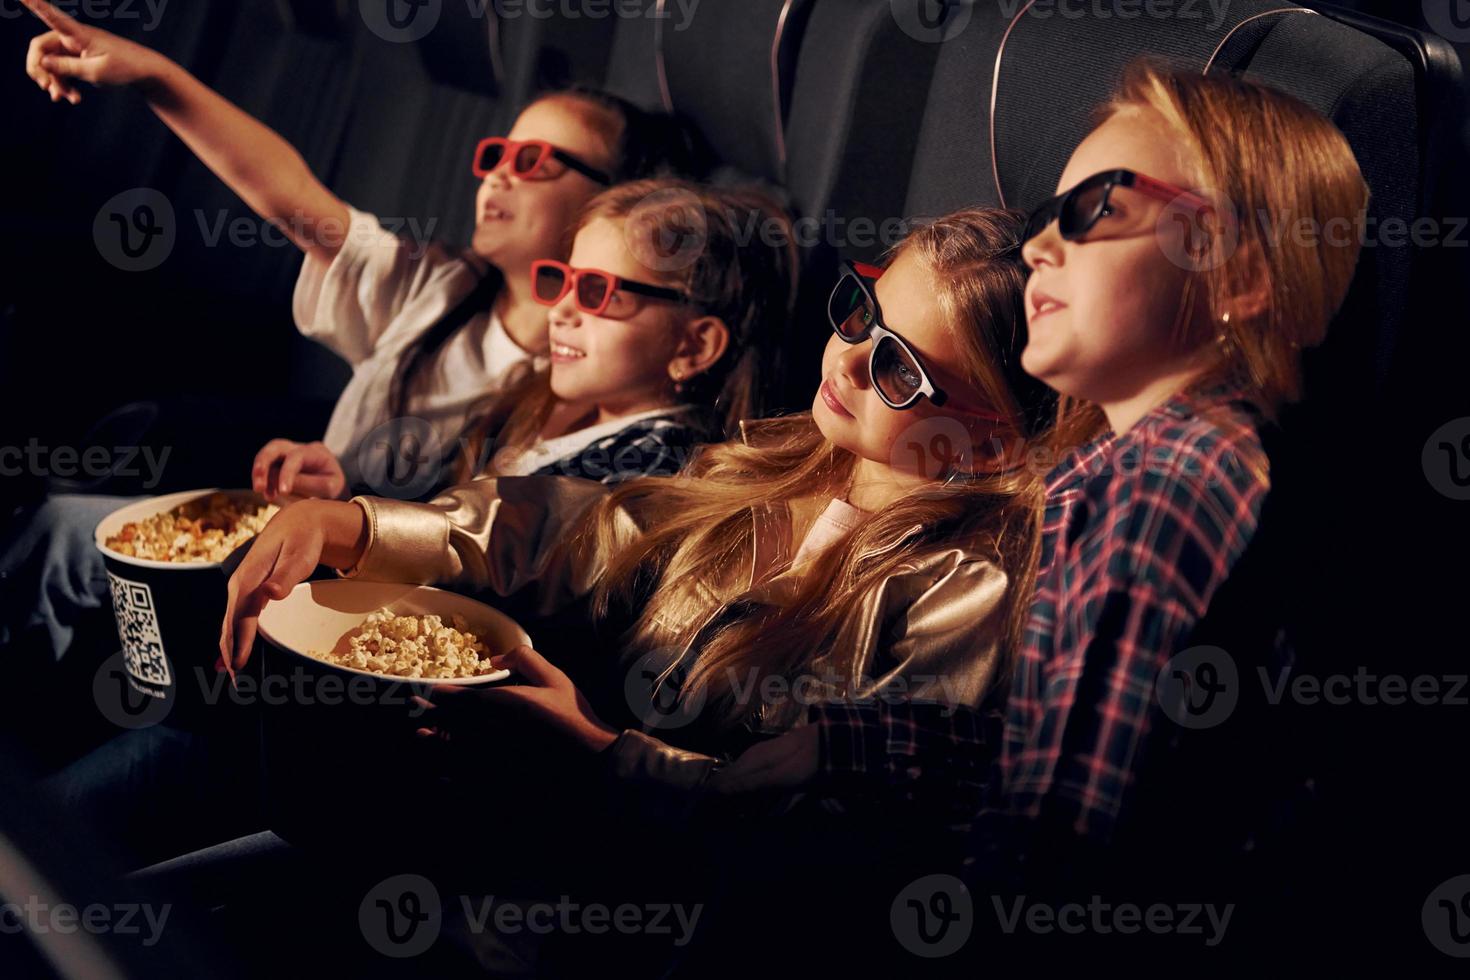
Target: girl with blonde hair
[
  {"x": 885, "y": 537},
  {"x": 1172, "y": 319}
]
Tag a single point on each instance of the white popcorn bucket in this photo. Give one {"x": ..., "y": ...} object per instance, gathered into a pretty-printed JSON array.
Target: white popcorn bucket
[{"x": 337, "y": 741}]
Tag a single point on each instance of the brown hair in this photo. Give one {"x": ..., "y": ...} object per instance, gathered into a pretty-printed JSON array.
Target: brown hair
[
  {"x": 705, "y": 521},
  {"x": 1277, "y": 161},
  {"x": 640, "y": 144},
  {"x": 734, "y": 256}
]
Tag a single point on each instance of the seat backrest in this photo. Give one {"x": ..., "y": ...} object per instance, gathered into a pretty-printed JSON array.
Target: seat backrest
[
  {"x": 461, "y": 43},
  {"x": 952, "y": 153},
  {"x": 728, "y": 68},
  {"x": 634, "y": 65},
  {"x": 858, "y": 96},
  {"x": 567, "y": 45}
]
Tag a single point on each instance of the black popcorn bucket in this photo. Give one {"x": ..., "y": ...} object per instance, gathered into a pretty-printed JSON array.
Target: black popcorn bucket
[
  {"x": 337, "y": 743},
  {"x": 168, "y": 620}
]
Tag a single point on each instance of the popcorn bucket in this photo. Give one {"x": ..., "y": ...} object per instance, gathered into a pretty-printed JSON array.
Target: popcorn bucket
[
  {"x": 338, "y": 743},
  {"x": 168, "y": 620}
]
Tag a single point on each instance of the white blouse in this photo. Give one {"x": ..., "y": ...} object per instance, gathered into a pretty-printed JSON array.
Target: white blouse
[{"x": 369, "y": 304}]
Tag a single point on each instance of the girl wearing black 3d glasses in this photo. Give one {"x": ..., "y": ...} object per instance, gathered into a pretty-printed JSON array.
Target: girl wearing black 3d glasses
[{"x": 885, "y": 538}]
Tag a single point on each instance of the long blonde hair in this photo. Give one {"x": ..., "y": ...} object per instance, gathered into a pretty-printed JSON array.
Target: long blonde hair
[
  {"x": 1276, "y": 160},
  {"x": 704, "y": 525},
  {"x": 737, "y": 260}
]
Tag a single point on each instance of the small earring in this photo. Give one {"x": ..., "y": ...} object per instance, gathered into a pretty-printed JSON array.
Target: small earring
[
  {"x": 1225, "y": 320},
  {"x": 678, "y": 381}
]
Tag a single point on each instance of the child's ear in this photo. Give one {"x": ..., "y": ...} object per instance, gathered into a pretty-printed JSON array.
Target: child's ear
[
  {"x": 1253, "y": 295},
  {"x": 705, "y": 340}
]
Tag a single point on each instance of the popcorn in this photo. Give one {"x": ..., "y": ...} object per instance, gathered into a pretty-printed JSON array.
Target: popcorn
[
  {"x": 412, "y": 646},
  {"x": 204, "y": 530}
]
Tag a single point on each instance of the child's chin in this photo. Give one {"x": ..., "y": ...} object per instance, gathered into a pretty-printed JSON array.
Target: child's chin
[
  {"x": 831, "y": 427},
  {"x": 488, "y": 242},
  {"x": 562, "y": 388},
  {"x": 1040, "y": 364}
]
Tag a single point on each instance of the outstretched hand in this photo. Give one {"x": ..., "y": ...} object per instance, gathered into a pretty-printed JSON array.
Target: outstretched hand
[{"x": 72, "y": 51}]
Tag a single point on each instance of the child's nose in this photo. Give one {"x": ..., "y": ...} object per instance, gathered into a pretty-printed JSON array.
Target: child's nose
[
  {"x": 565, "y": 312},
  {"x": 853, "y": 362}
]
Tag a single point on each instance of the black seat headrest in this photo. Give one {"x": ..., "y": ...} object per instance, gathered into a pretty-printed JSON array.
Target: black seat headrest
[{"x": 728, "y": 68}]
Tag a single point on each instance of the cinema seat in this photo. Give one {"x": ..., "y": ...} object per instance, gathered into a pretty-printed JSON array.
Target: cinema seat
[
  {"x": 1010, "y": 99},
  {"x": 819, "y": 97}
]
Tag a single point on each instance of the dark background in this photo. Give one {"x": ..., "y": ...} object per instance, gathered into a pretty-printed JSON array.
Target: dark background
[{"x": 389, "y": 127}]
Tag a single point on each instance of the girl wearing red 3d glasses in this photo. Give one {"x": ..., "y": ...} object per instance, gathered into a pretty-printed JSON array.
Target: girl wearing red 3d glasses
[
  {"x": 882, "y": 544},
  {"x": 886, "y": 537},
  {"x": 429, "y": 329}
]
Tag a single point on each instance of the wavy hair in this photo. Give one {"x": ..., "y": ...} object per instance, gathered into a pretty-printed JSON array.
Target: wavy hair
[
  {"x": 1278, "y": 162},
  {"x": 641, "y": 144},
  {"x": 705, "y": 522},
  {"x": 742, "y": 267}
]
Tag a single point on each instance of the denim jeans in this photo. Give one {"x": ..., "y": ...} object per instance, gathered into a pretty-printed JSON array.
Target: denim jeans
[{"x": 51, "y": 574}]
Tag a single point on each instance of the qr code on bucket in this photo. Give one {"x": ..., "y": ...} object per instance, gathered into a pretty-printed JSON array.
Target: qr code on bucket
[{"x": 137, "y": 626}]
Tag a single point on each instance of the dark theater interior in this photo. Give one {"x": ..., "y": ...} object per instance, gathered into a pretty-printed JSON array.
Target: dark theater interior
[{"x": 700, "y": 488}]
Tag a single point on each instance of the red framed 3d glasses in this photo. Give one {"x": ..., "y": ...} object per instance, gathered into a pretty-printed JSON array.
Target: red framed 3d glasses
[
  {"x": 528, "y": 158},
  {"x": 593, "y": 290}
]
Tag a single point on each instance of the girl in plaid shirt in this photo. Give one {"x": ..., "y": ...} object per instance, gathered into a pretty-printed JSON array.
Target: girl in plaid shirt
[{"x": 1172, "y": 321}]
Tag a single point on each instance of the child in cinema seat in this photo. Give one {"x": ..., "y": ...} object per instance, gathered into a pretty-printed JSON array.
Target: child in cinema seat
[
  {"x": 648, "y": 363},
  {"x": 886, "y": 537},
  {"x": 886, "y": 534},
  {"x": 430, "y": 330},
  {"x": 1163, "y": 307}
]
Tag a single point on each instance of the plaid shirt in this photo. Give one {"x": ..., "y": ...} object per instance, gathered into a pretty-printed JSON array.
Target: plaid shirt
[{"x": 1140, "y": 531}]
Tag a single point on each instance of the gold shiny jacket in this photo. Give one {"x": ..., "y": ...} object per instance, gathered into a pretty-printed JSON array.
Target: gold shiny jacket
[{"x": 933, "y": 630}]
